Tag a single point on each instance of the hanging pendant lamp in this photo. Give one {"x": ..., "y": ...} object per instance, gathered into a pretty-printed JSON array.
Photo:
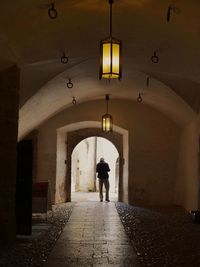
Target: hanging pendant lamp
[
  {"x": 110, "y": 54},
  {"x": 107, "y": 120}
]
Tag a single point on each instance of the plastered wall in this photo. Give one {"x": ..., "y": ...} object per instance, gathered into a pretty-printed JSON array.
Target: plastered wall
[
  {"x": 187, "y": 184},
  {"x": 83, "y": 166},
  {"x": 154, "y": 142}
]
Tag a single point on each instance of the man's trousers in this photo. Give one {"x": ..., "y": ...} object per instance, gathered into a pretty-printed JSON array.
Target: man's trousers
[{"x": 107, "y": 186}]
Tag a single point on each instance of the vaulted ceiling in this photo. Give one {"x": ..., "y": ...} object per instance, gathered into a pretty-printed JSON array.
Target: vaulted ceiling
[{"x": 35, "y": 42}]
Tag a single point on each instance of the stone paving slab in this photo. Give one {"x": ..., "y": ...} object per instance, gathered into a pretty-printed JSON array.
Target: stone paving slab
[{"x": 94, "y": 236}]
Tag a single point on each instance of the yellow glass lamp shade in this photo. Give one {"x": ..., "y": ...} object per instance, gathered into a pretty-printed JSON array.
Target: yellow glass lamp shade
[
  {"x": 110, "y": 59},
  {"x": 107, "y": 123}
]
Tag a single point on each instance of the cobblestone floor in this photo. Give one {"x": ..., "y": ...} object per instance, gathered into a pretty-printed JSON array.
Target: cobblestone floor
[
  {"x": 32, "y": 251},
  {"x": 162, "y": 236}
]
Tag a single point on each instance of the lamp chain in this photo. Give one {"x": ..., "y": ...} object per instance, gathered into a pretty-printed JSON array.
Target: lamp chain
[
  {"x": 111, "y": 2},
  {"x": 107, "y": 99}
]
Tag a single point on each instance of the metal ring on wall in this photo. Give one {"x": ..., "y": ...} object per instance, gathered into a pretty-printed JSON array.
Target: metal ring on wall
[
  {"x": 70, "y": 84},
  {"x": 64, "y": 58},
  {"x": 52, "y": 12},
  {"x": 155, "y": 58},
  {"x": 74, "y": 100},
  {"x": 139, "y": 99}
]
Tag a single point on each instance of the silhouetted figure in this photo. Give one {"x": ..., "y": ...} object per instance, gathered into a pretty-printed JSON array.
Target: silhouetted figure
[{"x": 102, "y": 169}]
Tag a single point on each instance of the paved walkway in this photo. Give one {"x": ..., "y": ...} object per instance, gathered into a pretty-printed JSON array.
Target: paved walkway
[
  {"x": 93, "y": 236},
  {"x": 91, "y": 196}
]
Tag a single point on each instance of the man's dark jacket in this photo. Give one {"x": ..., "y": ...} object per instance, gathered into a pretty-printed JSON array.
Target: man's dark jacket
[{"x": 102, "y": 169}]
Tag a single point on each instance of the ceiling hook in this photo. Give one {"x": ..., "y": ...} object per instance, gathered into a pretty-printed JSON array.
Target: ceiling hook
[
  {"x": 70, "y": 84},
  {"x": 147, "y": 81},
  {"x": 169, "y": 13},
  {"x": 139, "y": 99},
  {"x": 64, "y": 59},
  {"x": 175, "y": 9},
  {"x": 74, "y": 102},
  {"x": 52, "y": 12},
  {"x": 155, "y": 58}
]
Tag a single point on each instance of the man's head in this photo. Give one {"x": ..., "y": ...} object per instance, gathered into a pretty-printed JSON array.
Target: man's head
[{"x": 101, "y": 159}]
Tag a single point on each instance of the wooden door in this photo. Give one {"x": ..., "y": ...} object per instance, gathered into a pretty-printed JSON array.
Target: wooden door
[{"x": 24, "y": 188}]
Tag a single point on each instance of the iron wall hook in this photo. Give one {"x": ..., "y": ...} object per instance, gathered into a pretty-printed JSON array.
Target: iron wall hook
[
  {"x": 139, "y": 98},
  {"x": 64, "y": 59},
  {"x": 74, "y": 102},
  {"x": 70, "y": 84},
  {"x": 155, "y": 58},
  {"x": 168, "y": 13},
  {"x": 52, "y": 12},
  {"x": 175, "y": 9},
  {"x": 147, "y": 81}
]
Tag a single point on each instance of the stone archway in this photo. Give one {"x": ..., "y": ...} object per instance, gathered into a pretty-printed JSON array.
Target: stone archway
[
  {"x": 68, "y": 136},
  {"x": 75, "y": 137}
]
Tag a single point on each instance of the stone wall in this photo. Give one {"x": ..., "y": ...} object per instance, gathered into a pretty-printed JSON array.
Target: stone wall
[
  {"x": 152, "y": 145},
  {"x": 9, "y": 87}
]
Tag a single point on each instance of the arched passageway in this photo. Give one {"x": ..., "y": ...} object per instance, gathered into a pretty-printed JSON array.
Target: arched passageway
[
  {"x": 67, "y": 139},
  {"x": 75, "y": 137},
  {"x": 83, "y": 170}
]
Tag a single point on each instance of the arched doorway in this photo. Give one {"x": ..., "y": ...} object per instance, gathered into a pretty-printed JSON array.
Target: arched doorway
[
  {"x": 69, "y": 136},
  {"x": 85, "y": 155},
  {"x": 73, "y": 138}
]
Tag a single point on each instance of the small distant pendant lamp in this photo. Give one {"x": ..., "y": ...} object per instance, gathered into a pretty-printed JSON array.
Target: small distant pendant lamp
[
  {"x": 110, "y": 54},
  {"x": 107, "y": 120}
]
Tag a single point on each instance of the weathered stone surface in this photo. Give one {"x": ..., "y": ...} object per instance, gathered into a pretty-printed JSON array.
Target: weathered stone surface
[
  {"x": 33, "y": 251},
  {"x": 81, "y": 244},
  {"x": 162, "y": 236}
]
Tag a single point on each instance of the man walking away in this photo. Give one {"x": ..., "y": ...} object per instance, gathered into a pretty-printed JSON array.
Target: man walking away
[{"x": 102, "y": 169}]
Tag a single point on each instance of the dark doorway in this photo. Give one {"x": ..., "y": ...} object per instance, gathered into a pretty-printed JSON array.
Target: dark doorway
[{"x": 24, "y": 188}]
